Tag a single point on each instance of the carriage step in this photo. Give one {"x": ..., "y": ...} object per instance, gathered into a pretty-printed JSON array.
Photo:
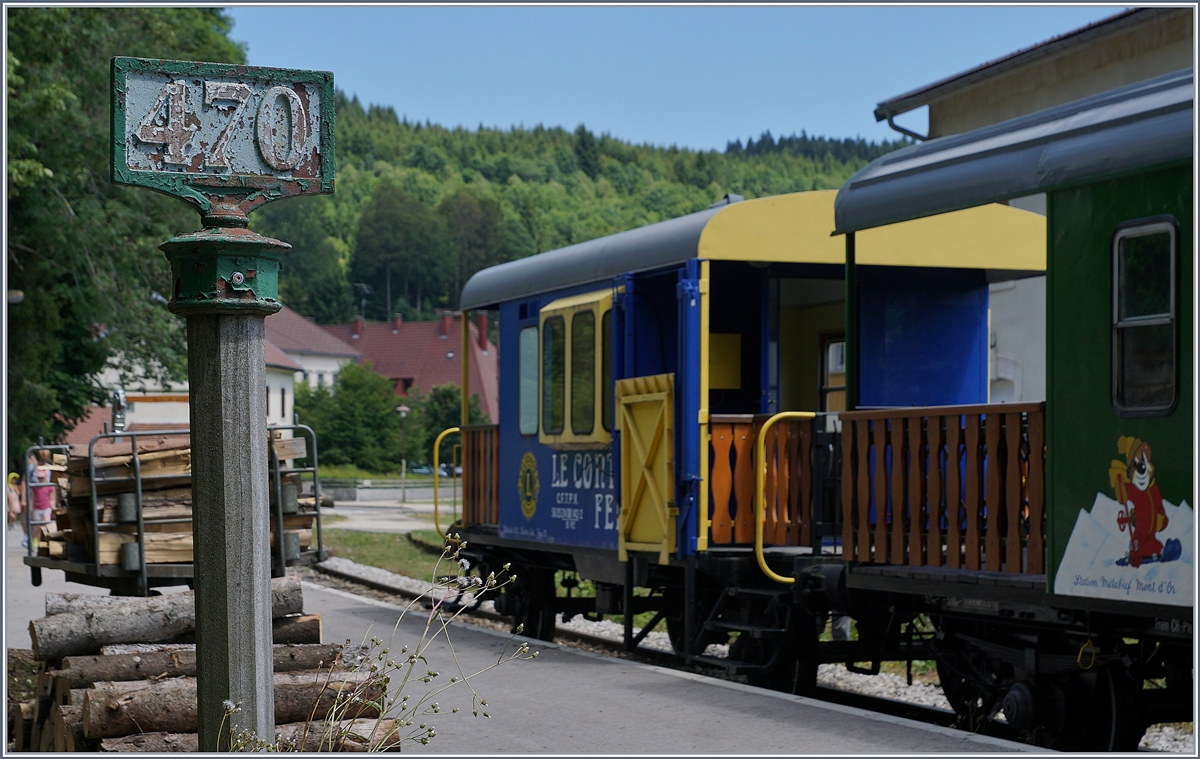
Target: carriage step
[
  {"x": 731, "y": 667},
  {"x": 753, "y": 631}
]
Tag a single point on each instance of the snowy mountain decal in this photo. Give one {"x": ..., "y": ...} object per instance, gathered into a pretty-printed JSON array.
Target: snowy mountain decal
[{"x": 1097, "y": 563}]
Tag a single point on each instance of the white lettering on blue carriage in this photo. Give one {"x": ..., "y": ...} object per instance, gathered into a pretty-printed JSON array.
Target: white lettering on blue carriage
[
  {"x": 604, "y": 501},
  {"x": 569, "y": 516},
  {"x": 583, "y": 476}
]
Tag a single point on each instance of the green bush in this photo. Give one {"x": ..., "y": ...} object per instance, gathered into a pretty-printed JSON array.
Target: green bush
[{"x": 359, "y": 430}]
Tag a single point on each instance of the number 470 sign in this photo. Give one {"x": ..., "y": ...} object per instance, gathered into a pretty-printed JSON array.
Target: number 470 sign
[{"x": 223, "y": 137}]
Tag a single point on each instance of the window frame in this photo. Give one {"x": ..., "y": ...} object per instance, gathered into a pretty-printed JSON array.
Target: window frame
[
  {"x": 566, "y": 350},
  {"x": 1142, "y": 228},
  {"x": 583, "y": 419},
  {"x": 607, "y": 386},
  {"x": 537, "y": 383},
  {"x": 599, "y": 304},
  {"x": 826, "y": 340}
]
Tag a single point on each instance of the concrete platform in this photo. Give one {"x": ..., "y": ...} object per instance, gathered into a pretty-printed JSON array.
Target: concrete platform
[
  {"x": 566, "y": 700},
  {"x": 570, "y": 701},
  {"x": 383, "y": 516}
]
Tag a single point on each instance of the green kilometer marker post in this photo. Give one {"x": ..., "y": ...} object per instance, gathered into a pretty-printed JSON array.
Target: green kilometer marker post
[{"x": 226, "y": 139}]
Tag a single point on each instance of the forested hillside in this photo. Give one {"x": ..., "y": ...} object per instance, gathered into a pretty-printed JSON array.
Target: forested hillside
[
  {"x": 418, "y": 208},
  {"x": 81, "y": 249},
  {"x": 417, "y": 205}
]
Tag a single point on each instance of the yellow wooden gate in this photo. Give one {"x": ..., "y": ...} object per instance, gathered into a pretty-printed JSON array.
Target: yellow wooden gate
[{"x": 646, "y": 419}]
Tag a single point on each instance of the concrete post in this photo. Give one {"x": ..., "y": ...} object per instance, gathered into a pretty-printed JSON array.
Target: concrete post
[
  {"x": 226, "y": 284},
  {"x": 232, "y": 538}
]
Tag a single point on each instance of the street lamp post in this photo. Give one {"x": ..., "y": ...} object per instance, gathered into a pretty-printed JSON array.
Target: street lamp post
[{"x": 403, "y": 453}]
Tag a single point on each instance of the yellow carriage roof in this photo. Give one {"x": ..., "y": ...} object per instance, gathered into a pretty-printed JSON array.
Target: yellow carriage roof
[{"x": 793, "y": 228}]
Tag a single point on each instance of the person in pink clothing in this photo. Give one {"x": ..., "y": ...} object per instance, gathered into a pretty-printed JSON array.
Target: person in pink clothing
[{"x": 43, "y": 497}]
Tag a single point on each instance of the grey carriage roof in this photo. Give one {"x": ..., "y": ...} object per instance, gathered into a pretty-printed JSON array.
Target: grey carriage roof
[
  {"x": 1137, "y": 126},
  {"x": 649, "y": 247}
]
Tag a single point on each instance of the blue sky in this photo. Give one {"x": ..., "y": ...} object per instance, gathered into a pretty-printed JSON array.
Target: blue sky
[{"x": 695, "y": 77}]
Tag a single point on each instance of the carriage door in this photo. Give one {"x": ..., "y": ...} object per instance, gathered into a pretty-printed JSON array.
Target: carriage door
[{"x": 646, "y": 421}]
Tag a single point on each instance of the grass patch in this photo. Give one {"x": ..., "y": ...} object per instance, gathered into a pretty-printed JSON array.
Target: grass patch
[
  {"x": 386, "y": 550},
  {"x": 351, "y": 472}
]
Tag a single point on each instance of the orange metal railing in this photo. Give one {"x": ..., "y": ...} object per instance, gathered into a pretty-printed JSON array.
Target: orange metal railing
[{"x": 955, "y": 486}]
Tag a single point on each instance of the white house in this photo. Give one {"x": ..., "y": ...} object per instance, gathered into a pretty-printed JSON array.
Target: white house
[
  {"x": 151, "y": 406},
  {"x": 320, "y": 355}
]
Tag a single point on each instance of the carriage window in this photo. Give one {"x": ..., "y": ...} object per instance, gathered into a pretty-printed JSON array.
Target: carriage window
[
  {"x": 571, "y": 373},
  {"x": 553, "y": 375},
  {"x": 1144, "y": 353},
  {"x": 833, "y": 373},
  {"x": 606, "y": 378},
  {"x": 583, "y": 372},
  {"x": 527, "y": 411}
]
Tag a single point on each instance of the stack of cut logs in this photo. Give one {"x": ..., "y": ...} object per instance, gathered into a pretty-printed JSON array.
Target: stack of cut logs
[
  {"x": 165, "y": 464},
  {"x": 118, "y": 675}
]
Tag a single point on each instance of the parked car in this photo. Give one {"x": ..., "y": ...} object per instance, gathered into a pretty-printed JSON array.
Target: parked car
[{"x": 422, "y": 469}]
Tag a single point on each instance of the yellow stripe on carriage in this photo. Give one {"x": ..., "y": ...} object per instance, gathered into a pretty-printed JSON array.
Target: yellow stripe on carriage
[{"x": 795, "y": 228}]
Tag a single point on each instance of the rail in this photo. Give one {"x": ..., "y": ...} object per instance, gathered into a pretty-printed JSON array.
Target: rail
[
  {"x": 107, "y": 510},
  {"x": 481, "y": 474},
  {"x": 284, "y": 501},
  {"x": 34, "y": 526},
  {"x": 954, "y": 486},
  {"x": 437, "y": 445},
  {"x": 775, "y": 456}
]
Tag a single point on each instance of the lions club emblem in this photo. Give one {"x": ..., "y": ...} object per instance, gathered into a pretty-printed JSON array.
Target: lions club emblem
[{"x": 528, "y": 486}]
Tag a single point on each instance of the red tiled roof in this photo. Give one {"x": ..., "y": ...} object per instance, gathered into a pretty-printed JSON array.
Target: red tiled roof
[
  {"x": 293, "y": 333},
  {"x": 278, "y": 359},
  {"x": 418, "y": 352},
  {"x": 89, "y": 426}
]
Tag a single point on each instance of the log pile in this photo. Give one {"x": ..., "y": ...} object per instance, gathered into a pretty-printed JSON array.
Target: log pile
[
  {"x": 114, "y": 678},
  {"x": 164, "y": 469}
]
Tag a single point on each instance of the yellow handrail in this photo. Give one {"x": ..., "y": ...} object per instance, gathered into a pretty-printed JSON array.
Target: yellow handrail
[
  {"x": 760, "y": 475},
  {"x": 437, "y": 444}
]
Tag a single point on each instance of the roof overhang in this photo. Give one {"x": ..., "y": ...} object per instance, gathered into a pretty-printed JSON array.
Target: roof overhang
[
  {"x": 1131, "y": 128},
  {"x": 641, "y": 249},
  {"x": 792, "y": 228},
  {"x": 1054, "y": 46}
]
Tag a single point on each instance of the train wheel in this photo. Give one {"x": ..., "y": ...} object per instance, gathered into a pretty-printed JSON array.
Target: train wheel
[
  {"x": 1092, "y": 711},
  {"x": 535, "y": 614},
  {"x": 968, "y": 679},
  {"x": 958, "y": 673}
]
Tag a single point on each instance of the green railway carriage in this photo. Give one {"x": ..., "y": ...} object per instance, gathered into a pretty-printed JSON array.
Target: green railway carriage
[
  {"x": 756, "y": 417},
  {"x": 1120, "y": 456}
]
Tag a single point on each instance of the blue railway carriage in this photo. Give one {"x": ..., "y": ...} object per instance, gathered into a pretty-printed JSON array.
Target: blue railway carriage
[
  {"x": 744, "y": 421},
  {"x": 638, "y": 372}
]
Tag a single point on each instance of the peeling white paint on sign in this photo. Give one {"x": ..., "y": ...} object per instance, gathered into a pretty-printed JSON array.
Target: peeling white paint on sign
[{"x": 222, "y": 128}]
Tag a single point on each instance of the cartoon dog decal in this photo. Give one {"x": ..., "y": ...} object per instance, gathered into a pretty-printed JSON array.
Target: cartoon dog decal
[{"x": 1142, "y": 515}]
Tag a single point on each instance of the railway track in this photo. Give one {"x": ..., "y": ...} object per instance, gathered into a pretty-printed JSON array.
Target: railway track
[{"x": 612, "y": 647}]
